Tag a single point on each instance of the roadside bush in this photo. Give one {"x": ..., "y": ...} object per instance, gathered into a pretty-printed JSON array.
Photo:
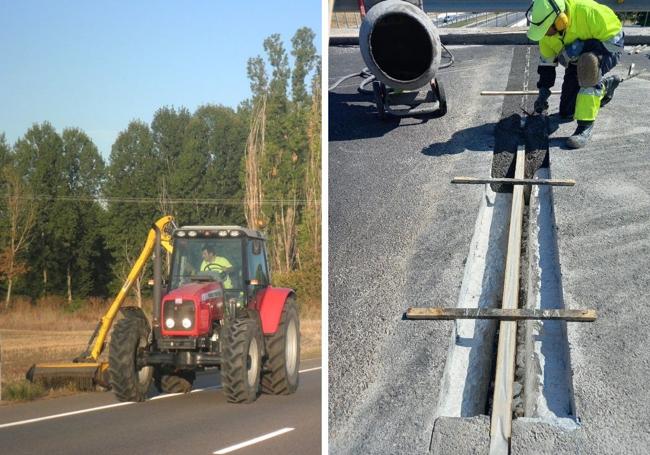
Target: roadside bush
[{"x": 22, "y": 391}]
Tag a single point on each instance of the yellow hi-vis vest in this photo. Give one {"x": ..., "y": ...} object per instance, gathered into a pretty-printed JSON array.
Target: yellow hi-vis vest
[
  {"x": 587, "y": 20},
  {"x": 218, "y": 264}
]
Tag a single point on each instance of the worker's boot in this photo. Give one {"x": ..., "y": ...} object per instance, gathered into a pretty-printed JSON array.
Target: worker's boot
[
  {"x": 609, "y": 84},
  {"x": 581, "y": 135}
]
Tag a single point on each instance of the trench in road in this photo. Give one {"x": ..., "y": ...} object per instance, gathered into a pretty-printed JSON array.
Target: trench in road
[{"x": 543, "y": 380}]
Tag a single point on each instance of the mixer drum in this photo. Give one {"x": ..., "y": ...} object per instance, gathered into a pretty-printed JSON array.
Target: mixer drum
[{"x": 400, "y": 45}]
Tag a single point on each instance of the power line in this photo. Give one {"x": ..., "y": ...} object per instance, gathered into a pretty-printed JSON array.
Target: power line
[{"x": 173, "y": 201}]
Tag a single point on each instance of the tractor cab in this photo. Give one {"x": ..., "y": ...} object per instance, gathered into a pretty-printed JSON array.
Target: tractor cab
[{"x": 232, "y": 255}]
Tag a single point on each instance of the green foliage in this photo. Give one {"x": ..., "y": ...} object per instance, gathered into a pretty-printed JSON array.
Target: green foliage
[
  {"x": 305, "y": 282},
  {"x": 39, "y": 159},
  {"x": 22, "y": 391},
  {"x": 92, "y": 216}
]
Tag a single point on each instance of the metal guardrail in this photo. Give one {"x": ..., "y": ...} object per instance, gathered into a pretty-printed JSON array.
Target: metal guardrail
[
  {"x": 484, "y": 6},
  {"x": 468, "y": 14}
]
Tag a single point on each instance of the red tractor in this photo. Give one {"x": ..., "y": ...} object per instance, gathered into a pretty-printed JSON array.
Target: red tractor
[{"x": 219, "y": 309}]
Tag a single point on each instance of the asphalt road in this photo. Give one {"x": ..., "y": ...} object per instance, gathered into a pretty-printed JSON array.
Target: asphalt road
[
  {"x": 201, "y": 422},
  {"x": 399, "y": 234}
]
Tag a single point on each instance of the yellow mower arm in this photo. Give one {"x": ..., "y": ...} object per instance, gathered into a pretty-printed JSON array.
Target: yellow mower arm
[
  {"x": 107, "y": 320},
  {"x": 86, "y": 370}
]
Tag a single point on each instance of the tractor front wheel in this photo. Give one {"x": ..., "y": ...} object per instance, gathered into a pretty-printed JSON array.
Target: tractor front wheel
[
  {"x": 129, "y": 381},
  {"x": 241, "y": 360},
  {"x": 283, "y": 350}
]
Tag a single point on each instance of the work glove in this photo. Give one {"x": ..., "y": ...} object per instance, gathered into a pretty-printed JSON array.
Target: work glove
[
  {"x": 541, "y": 103},
  {"x": 571, "y": 53}
]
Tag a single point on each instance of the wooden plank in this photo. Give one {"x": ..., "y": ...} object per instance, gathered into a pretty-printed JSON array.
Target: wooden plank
[
  {"x": 507, "y": 181},
  {"x": 514, "y": 92},
  {"x": 501, "y": 419},
  {"x": 517, "y": 314}
]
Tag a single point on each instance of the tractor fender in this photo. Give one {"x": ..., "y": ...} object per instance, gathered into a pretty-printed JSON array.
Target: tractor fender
[{"x": 271, "y": 304}]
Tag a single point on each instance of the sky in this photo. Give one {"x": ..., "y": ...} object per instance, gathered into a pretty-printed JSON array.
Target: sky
[{"x": 97, "y": 65}]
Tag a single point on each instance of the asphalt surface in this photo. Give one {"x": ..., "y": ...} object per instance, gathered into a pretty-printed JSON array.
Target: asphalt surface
[
  {"x": 399, "y": 234},
  {"x": 201, "y": 422}
]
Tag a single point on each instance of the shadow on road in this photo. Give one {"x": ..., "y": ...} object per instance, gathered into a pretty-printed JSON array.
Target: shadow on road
[
  {"x": 477, "y": 139},
  {"x": 354, "y": 116}
]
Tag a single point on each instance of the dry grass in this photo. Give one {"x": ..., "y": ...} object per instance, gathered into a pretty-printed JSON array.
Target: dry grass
[
  {"x": 53, "y": 313},
  {"x": 26, "y": 338},
  {"x": 310, "y": 338}
]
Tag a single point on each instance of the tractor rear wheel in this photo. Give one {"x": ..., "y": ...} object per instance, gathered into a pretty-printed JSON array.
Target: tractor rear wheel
[
  {"x": 241, "y": 360},
  {"x": 129, "y": 381},
  {"x": 280, "y": 375},
  {"x": 178, "y": 382}
]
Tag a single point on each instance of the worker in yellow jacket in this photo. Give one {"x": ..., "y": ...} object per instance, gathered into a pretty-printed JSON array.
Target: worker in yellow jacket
[{"x": 587, "y": 38}]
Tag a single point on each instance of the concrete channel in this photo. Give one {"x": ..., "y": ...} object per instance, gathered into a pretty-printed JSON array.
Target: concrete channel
[{"x": 542, "y": 391}]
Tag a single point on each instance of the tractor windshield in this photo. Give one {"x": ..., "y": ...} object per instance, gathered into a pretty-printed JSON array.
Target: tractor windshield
[{"x": 204, "y": 258}]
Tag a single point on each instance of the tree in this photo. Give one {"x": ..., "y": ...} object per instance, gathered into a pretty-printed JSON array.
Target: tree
[
  {"x": 257, "y": 74},
  {"x": 132, "y": 185},
  {"x": 20, "y": 213},
  {"x": 168, "y": 130},
  {"x": 304, "y": 53},
  {"x": 255, "y": 217},
  {"x": 80, "y": 222},
  {"x": 38, "y": 158}
]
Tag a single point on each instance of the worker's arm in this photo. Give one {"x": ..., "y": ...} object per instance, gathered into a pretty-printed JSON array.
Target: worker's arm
[{"x": 550, "y": 48}]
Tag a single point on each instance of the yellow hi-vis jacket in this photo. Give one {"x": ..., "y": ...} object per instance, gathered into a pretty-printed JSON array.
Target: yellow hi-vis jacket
[
  {"x": 218, "y": 264},
  {"x": 587, "y": 20}
]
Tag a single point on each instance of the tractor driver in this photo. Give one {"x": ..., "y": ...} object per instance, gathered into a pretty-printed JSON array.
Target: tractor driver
[{"x": 213, "y": 263}]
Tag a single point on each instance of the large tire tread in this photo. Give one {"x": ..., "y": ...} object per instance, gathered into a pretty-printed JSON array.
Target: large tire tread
[
  {"x": 180, "y": 382},
  {"x": 276, "y": 380},
  {"x": 129, "y": 334},
  {"x": 234, "y": 372}
]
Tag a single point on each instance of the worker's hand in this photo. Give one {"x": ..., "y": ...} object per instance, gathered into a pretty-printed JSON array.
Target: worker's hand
[
  {"x": 541, "y": 103},
  {"x": 571, "y": 53},
  {"x": 574, "y": 49}
]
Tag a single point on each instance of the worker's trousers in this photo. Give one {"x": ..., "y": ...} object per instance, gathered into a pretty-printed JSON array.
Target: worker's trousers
[{"x": 583, "y": 103}]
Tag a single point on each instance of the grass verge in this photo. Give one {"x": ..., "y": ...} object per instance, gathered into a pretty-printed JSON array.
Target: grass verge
[{"x": 27, "y": 338}]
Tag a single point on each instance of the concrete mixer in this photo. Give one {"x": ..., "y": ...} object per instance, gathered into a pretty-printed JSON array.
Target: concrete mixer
[{"x": 401, "y": 48}]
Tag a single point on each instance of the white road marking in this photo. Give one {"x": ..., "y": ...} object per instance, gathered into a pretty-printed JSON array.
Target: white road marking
[
  {"x": 250, "y": 442},
  {"x": 310, "y": 369},
  {"x": 167, "y": 395},
  {"x": 115, "y": 405},
  {"x": 65, "y": 414}
]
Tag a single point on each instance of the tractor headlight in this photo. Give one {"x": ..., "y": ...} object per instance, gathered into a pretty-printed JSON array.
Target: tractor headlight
[
  {"x": 169, "y": 323},
  {"x": 187, "y": 323}
]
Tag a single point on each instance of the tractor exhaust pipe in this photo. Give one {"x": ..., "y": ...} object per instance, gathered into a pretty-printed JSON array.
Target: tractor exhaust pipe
[{"x": 400, "y": 45}]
